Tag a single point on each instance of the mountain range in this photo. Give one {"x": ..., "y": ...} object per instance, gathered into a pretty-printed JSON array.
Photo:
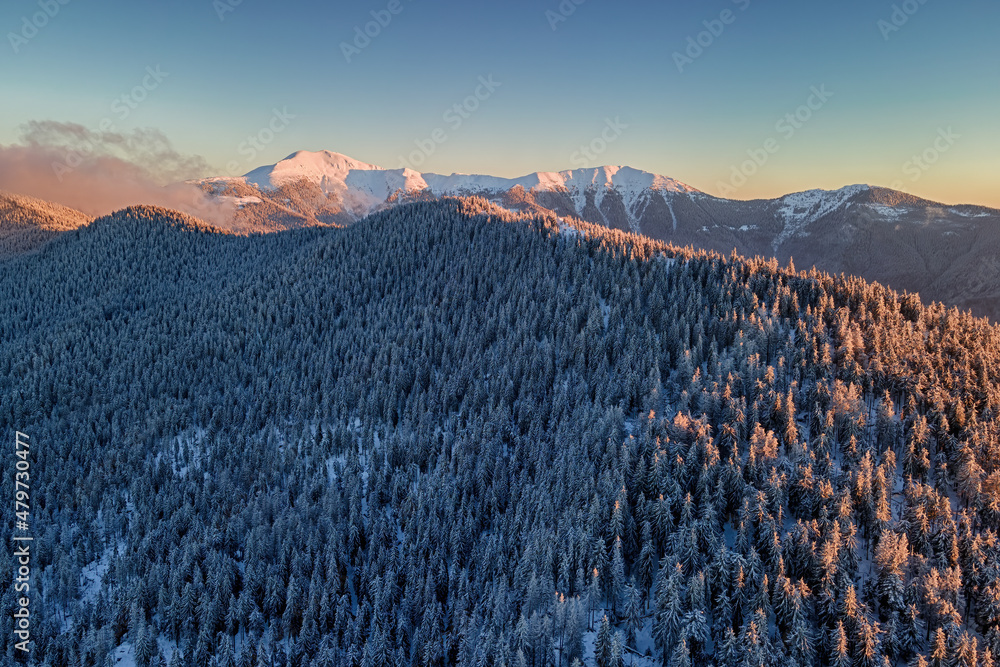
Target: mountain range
[{"x": 946, "y": 253}]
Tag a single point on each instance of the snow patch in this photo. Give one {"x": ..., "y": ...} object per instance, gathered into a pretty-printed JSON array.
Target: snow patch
[
  {"x": 804, "y": 208},
  {"x": 892, "y": 212},
  {"x": 241, "y": 202},
  {"x": 673, "y": 215},
  {"x": 92, "y": 574},
  {"x": 968, "y": 214},
  {"x": 568, "y": 229}
]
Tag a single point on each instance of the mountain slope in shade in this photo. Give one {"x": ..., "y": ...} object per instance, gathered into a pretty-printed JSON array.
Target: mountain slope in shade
[
  {"x": 946, "y": 253},
  {"x": 27, "y": 223}
]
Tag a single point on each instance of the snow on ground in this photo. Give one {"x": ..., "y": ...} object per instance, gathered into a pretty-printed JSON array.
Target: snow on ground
[
  {"x": 969, "y": 214},
  {"x": 189, "y": 450},
  {"x": 811, "y": 205},
  {"x": 642, "y": 656},
  {"x": 568, "y": 229},
  {"x": 92, "y": 574},
  {"x": 892, "y": 212},
  {"x": 645, "y": 646},
  {"x": 673, "y": 216},
  {"x": 123, "y": 656},
  {"x": 240, "y": 202},
  {"x": 332, "y": 465}
]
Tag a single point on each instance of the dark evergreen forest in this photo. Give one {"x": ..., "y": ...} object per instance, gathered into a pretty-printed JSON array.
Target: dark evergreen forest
[{"x": 450, "y": 435}]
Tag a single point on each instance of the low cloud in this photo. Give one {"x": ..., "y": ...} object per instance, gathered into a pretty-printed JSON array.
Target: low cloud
[{"x": 98, "y": 173}]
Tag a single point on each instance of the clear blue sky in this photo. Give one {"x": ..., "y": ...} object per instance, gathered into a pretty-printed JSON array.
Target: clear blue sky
[{"x": 893, "y": 93}]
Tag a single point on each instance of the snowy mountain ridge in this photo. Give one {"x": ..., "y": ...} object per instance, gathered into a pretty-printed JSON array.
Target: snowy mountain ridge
[
  {"x": 364, "y": 188},
  {"x": 622, "y": 197}
]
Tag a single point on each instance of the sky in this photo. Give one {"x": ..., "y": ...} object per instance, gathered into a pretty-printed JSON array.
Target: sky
[{"x": 740, "y": 98}]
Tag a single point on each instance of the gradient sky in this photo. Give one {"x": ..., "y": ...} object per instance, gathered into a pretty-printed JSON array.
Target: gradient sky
[{"x": 892, "y": 97}]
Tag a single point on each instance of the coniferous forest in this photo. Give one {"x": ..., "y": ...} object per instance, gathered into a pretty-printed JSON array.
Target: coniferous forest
[{"x": 450, "y": 435}]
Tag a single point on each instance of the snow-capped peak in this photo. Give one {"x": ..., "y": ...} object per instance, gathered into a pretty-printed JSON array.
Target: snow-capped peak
[
  {"x": 364, "y": 187},
  {"x": 321, "y": 167}
]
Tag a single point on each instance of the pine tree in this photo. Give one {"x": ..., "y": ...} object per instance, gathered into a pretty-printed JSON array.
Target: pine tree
[
  {"x": 890, "y": 556},
  {"x": 840, "y": 655},
  {"x": 633, "y": 614},
  {"x": 144, "y": 645},
  {"x": 616, "y": 654},
  {"x": 225, "y": 654},
  {"x": 576, "y": 624},
  {"x": 696, "y": 630},
  {"x": 593, "y": 599},
  {"x": 728, "y": 650},
  {"x": 802, "y": 649},
  {"x": 867, "y": 649},
  {"x": 912, "y": 633},
  {"x": 680, "y": 657},
  {"x": 966, "y": 653},
  {"x": 617, "y": 580},
  {"x": 602, "y": 644},
  {"x": 669, "y": 609},
  {"x": 939, "y": 649}
]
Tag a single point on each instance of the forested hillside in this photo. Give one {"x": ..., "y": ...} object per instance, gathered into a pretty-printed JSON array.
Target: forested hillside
[
  {"x": 449, "y": 435},
  {"x": 27, "y": 223}
]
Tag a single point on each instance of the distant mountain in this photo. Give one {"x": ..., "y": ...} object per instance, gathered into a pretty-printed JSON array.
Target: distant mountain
[
  {"x": 946, "y": 253},
  {"x": 27, "y": 223},
  {"x": 326, "y": 187}
]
